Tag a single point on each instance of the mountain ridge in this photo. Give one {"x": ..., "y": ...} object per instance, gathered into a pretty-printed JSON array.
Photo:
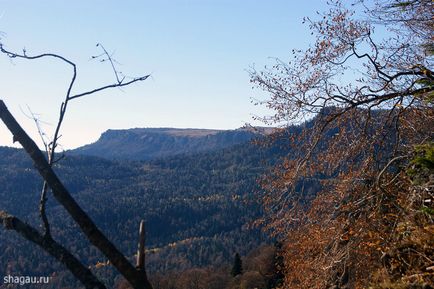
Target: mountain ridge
[{"x": 151, "y": 143}]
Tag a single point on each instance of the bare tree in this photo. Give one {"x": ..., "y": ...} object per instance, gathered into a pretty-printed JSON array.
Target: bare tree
[{"x": 136, "y": 276}]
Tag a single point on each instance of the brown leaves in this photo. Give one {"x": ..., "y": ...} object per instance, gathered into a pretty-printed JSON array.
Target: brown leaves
[{"x": 370, "y": 109}]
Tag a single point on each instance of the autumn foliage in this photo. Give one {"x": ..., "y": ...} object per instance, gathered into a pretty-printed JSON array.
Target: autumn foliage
[{"x": 369, "y": 146}]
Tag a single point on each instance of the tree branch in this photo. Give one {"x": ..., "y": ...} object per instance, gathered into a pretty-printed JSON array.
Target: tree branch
[
  {"x": 96, "y": 237},
  {"x": 53, "y": 248},
  {"x": 120, "y": 84},
  {"x": 51, "y": 148}
]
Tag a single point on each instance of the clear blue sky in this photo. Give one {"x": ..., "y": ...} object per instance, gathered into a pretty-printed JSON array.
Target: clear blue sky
[{"x": 197, "y": 51}]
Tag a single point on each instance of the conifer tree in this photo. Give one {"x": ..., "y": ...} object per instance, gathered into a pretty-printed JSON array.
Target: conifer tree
[{"x": 237, "y": 268}]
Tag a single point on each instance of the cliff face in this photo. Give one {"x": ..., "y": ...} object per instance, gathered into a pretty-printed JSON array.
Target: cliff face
[{"x": 152, "y": 143}]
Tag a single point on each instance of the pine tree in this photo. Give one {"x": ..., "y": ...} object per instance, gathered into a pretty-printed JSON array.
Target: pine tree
[{"x": 237, "y": 268}]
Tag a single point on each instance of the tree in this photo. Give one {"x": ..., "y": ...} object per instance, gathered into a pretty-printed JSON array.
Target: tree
[
  {"x": 372, "y": 101},
  {"x": 135, "y": 276},
  {"x": 237, "y": 267}
]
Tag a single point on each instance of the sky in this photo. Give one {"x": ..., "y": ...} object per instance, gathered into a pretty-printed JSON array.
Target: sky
[{"x": 198, "y": 53}]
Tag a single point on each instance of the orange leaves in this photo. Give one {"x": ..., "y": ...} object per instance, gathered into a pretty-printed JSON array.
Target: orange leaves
[{"x": 338, "y": 198}]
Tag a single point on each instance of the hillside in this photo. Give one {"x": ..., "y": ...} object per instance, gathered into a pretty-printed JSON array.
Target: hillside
[{"x": 198, "y": 208}]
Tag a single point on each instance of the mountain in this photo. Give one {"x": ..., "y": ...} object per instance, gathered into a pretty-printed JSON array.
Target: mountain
[
  {"x": 151, "y": 143},
  {"x": 198, "y": 205}
]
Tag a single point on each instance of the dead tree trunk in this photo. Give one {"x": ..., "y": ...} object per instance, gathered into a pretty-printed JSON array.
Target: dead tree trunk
[{"x": 140, "y": 264}]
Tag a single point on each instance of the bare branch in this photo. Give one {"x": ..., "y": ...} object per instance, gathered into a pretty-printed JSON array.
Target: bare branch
[
  {"x": 115, "y": 85},
  {"x": 51, "y": 147},
  {"x": 111, "y": 60},
  {"x": 53, "y": 248},
  {"x": 95, "y": 236}
]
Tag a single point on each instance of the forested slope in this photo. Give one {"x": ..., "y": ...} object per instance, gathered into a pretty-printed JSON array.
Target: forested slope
[{"x": 198, "y": 208}]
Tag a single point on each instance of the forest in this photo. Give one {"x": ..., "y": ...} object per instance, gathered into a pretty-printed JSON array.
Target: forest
[
  {"x": 336, "y": 193},
  {"x": 199, "y": 209}
]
